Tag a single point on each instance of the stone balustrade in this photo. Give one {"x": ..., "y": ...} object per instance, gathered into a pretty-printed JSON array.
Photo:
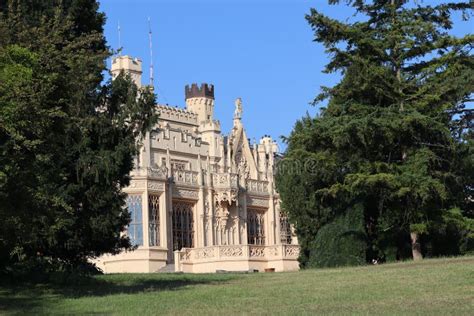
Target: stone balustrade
[
  {"x": 236, "y": 252},
  {"x": 225, "y": 180},
  {"x": 186, "y": 177},
  {"x": 150, "y": 172},
  {"x": 257, "y": 186}
]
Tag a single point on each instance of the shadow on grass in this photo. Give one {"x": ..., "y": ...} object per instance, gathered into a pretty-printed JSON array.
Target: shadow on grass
[{"x": 24, "y": 297}]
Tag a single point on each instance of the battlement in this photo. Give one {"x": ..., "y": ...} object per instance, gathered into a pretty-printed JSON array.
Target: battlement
[
  {"x": 176, "y": 114},
  {"x": 203, "y": 91}
]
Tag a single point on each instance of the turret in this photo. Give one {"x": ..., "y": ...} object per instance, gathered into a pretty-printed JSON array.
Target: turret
[
  {"x": 200, "y": 100},
  {"x": 131, "y": 66}
]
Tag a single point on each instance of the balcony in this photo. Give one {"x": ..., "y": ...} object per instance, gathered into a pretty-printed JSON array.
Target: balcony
[
  {"x": 257, "y": 186},
  {"x": 186, "y": 177},
  {"x": 149, "y": 172},
  {"x": 225, "y": 180}
]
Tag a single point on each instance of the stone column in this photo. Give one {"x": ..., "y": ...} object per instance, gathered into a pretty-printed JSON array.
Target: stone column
[
  {"x": 145, "y": 217},
  {"x": 200, "y": 208},
  {"x": 169, "y": 220},
  {"x": 244, "y": 236},
  {"x": 277, "y": 222},
  {"x": 271, "y": 223},
  {"x": 164, "y": 217}
]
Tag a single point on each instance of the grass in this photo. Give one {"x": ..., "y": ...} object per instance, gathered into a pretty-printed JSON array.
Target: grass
[{"x": 431, "y": 287}]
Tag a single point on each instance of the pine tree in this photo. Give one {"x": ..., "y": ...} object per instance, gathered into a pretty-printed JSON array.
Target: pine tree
[
  {"x": 393, "y": 136},
  {"x": 67, "y": 141}
]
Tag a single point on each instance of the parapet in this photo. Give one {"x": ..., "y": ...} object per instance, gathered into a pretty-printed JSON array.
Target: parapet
[
  {"x": 126, "y": 63},
  {"x": 176, "y": 114},
  {"x": 204, "y": 91}
]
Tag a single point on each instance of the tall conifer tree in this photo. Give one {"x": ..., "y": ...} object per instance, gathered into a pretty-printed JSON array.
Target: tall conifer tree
[
  {"x": 395, "y": 139},
  {"x": 67, "y": 140}
]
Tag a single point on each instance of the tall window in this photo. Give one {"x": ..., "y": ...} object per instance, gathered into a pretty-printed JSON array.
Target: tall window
[
  {"x": 255, "y": 227},
  {"x": 135, "y": 228},
  {"x": 285, "y": 229},
  {"x": 183, "y": 225},
  {"x": 154, "y": 220}
]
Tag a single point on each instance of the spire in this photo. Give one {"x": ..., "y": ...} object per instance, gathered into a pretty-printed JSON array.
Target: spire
[{"x": 151, "y": 52}]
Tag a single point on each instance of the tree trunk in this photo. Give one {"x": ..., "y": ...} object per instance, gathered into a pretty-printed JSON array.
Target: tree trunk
[{"x": 415, "y": 247}]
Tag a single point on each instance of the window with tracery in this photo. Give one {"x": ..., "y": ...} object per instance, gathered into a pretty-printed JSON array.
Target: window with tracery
[
  {"x": 255, "y": 227},
  {"x": 135, "y": 228},
  {"x": 154, "y": 220},
  {"x": 183, "y": 225},
  {"x": 285, "y": 229}
]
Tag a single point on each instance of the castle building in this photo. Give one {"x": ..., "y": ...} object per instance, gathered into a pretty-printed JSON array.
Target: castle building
[{"x": 202, "y": 201}]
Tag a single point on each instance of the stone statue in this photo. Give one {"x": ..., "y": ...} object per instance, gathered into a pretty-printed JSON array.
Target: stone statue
[{"x": 238, "y": 109}]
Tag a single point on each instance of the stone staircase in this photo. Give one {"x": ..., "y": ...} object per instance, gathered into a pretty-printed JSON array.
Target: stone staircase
[{"x": 169, "y": 268}]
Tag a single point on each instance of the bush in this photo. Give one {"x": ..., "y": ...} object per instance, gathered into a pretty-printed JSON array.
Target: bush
[{"x": 341, "y": 242}]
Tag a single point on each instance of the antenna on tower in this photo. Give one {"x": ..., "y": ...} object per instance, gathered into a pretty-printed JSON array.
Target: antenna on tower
[
  {"x": 119, "y": 39},
  {"x": 151, "y": 52}
]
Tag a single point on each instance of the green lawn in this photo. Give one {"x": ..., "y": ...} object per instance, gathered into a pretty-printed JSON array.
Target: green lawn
[{"x": 433, "y": 287}]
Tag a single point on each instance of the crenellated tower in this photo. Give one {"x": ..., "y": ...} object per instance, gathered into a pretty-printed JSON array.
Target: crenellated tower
[{"x": 200, "y": 100}]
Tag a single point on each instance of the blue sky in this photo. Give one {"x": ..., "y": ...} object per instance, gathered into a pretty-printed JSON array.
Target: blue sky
[{"x": 260, "y": 50}]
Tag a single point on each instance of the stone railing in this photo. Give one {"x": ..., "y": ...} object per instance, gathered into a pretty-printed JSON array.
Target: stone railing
[
  {"x": 185, "y": 177},
  {"x": 257, "y": 186},
  {"x": 225, "y": 180},
  {"x": 149, "y": 172},
  {"x": 232, "y": 252},
  {"x": 291, "y": 251}
]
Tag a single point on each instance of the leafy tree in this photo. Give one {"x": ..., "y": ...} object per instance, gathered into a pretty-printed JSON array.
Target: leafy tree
[
  {"x": 67, "y": 140},
  {"x": 396, "y": 135}
]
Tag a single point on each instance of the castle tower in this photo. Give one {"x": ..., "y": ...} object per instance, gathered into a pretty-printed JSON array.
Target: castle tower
[
  {"x": 200, "y": 100},
  {"x": 131, "y": 66}
]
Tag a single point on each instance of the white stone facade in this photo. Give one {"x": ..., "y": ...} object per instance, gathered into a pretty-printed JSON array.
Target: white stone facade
[{"x": 202, "y": 201}]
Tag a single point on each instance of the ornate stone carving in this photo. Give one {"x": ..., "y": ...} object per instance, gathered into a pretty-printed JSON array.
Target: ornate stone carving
[
  {"x": 229, "y": 196},
  {"x": 257, "y": 202},
  {"x": 137, "y": 184},
  {"x": 292, "y": 251},
  {"x": 160, "y": 172},
  {"x": 204, "y": 253},
  {"x": 231, "y": 251},
  {"x": 187, "y": 194},
  {"x": 272, "y": 251},
  {"x": 257, "y": 251},
  {"x": 257, "y": 186},
  {"x": 185, "y": 177},
  {"x": 156, "y": 186},
  {"x": 225, "y": 180}
]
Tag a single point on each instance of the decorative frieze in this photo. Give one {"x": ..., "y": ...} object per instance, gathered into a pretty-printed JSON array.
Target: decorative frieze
[
  {"x": 137, "y": 184},
  {"x": 252, "y": 201},
  {"x": 156, "y": 186},
  {"x": 185, "y": 194}
]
